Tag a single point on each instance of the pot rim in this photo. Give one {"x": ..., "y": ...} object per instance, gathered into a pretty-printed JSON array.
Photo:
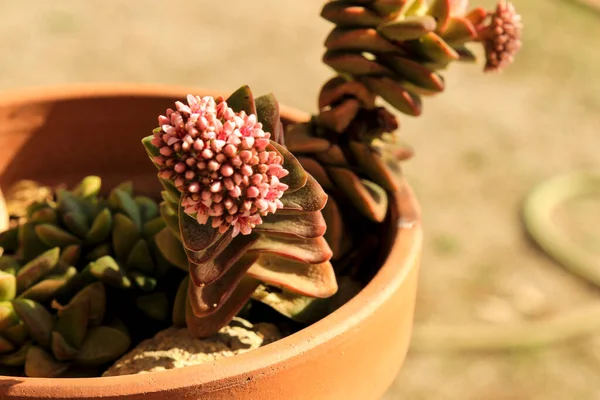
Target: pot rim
[{"x": 265, "y": 360}]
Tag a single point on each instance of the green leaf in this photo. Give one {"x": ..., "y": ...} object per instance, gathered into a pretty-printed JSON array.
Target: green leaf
[
  {"x": 148, "y": 207},
  {"x": 102, "y": 345},
  {"x": 101, "y": 227},
  {"x": 297, "y": 177},
  {"x": 267, "y": 112},
  {"x": 370, "y": 199},
  {"x": 209, "y": 270},
  {"x": 69, "y": 256},
  {"x": 336, "y": 236},
  {"x": 155, "y": 305},
  {"x": 140, "y": 258},
  {"x": 126, "y": 187},
  {"x": 316, "y": 170},
  {"x": 210, "y": 325},
  {"x": 374, "y": 165},
  {"x": 416, "y": 73},
  {"x": 350, "y": 15},
  {"x": 144, "y": 282},
  {"x": 94, "y": 295},
  {"x": 125, "y": 235},
  {"x": 172, "y": 193},
  {"x": 354, "y": 64},
  {"x": 73, "y": 212},
  {"x": 196, "y": 237},
  {"x": 179, "y": 305},
  {"x": 105, "y": 269},
  {"x": 72, "y": 322},
  {"x": 125, "y": 203},
  {"x": 333, "y": 156},
  {"x": 44, "y": 215},
  {"x": 102, "y": 250},
  {"x": 313, "y": 251},
  {"x": 440, "y": 10},
  {"x": 395, "y": 94},
  {"x": 8, "y": 317},
  {"x": 171, "y": 218},
  {"x": 37, "y": 319},
  {"x": 338, "y": 89},
  {"x": 304, "y": 225},
  {"x": 108, "y": 271},
  {"x": 465, "y": 54},
  {"x": 88, "y": 187},
  {"x": 389, "y": 8},
  {"x": 77, "y": 223},
  {"x": 8, "y": 286},
  {"x": 53, "y": 236},
  {"x": 37, "y": 268},
  {"x": 314, "y": 280},
  {"x": 31, "y": 245},
  {"x": 409, "y": 28},
  {"x": 17, "y": 333},
  {"x": 16, "y": 359},
  {"x": 61, "y": 349},
  {"x": 6, "y": 346},
  {"x": 299, "y": 139},
  {"x": 296, "y": 307},
  {"x": 242, "y": 100},
  {"x": 35, "y": 207},
  {"x": 172, "y": 249},
  {"x": 459, "y": 31},
  {"x": 339, "y": 117},
  {"x": 153, "y": 226},
  {"x": 9, "y": 240},
  {"x": 207, "y": 299},
  {"x": 44, "y": 290},
  {"x": 310, "y": 198},
  {"x": 436, "y": 49},
  {"x": 40, "y": 364},
  {"x": 162, "y": 266},
  {"x": 359, "y": 40},
  {"x": 9, "y": 265}
]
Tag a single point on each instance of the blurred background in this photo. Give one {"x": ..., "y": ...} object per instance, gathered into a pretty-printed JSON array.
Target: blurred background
[{"x": 480, "y": 148}]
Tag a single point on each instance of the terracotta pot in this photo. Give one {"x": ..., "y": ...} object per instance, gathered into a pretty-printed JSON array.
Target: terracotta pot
[
  {"x": 62, "y": 134},
  {"x": 3, "y": 214}
]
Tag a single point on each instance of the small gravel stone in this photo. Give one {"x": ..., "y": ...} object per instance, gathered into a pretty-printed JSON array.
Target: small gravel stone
[{"x": 176, "y": 348}]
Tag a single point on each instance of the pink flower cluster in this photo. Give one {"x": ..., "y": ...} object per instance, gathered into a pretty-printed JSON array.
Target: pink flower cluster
[
  {"x": 502, "y": 37},
  {"x": 219, "y": 160}
]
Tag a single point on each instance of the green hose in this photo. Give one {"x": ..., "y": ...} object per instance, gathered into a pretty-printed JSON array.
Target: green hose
[{"x": 538, "y": 207}]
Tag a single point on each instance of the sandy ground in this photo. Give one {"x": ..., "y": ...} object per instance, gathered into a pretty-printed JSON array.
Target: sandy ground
[{"x": 480, "y": 147}]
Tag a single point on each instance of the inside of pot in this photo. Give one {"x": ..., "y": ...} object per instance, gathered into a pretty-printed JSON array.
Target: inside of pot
[{"x": 57, "y": 142}]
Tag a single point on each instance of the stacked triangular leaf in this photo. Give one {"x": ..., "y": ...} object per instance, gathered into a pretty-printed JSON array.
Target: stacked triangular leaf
[{"x": 287, "y": 250}]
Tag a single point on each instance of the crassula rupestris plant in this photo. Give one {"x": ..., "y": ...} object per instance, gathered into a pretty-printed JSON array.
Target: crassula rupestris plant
[
  {"x": 391, "y": 50},
  {"x": 240, "y": 204}
]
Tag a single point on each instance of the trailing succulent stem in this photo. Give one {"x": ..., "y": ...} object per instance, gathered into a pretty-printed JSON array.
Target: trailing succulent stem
[
  {"x": 393, "y": 50},
  {"x": 240, "y": 208}
]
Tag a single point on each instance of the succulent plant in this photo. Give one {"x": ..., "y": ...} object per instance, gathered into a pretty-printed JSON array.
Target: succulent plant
[
  {"x": 58, "y": 263},
  {"x": 111, "y": 239},
  {"x": 393, "y": 50},
  {"x": 239, "y": 207},
  {"x": 47, "y": 340}
]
